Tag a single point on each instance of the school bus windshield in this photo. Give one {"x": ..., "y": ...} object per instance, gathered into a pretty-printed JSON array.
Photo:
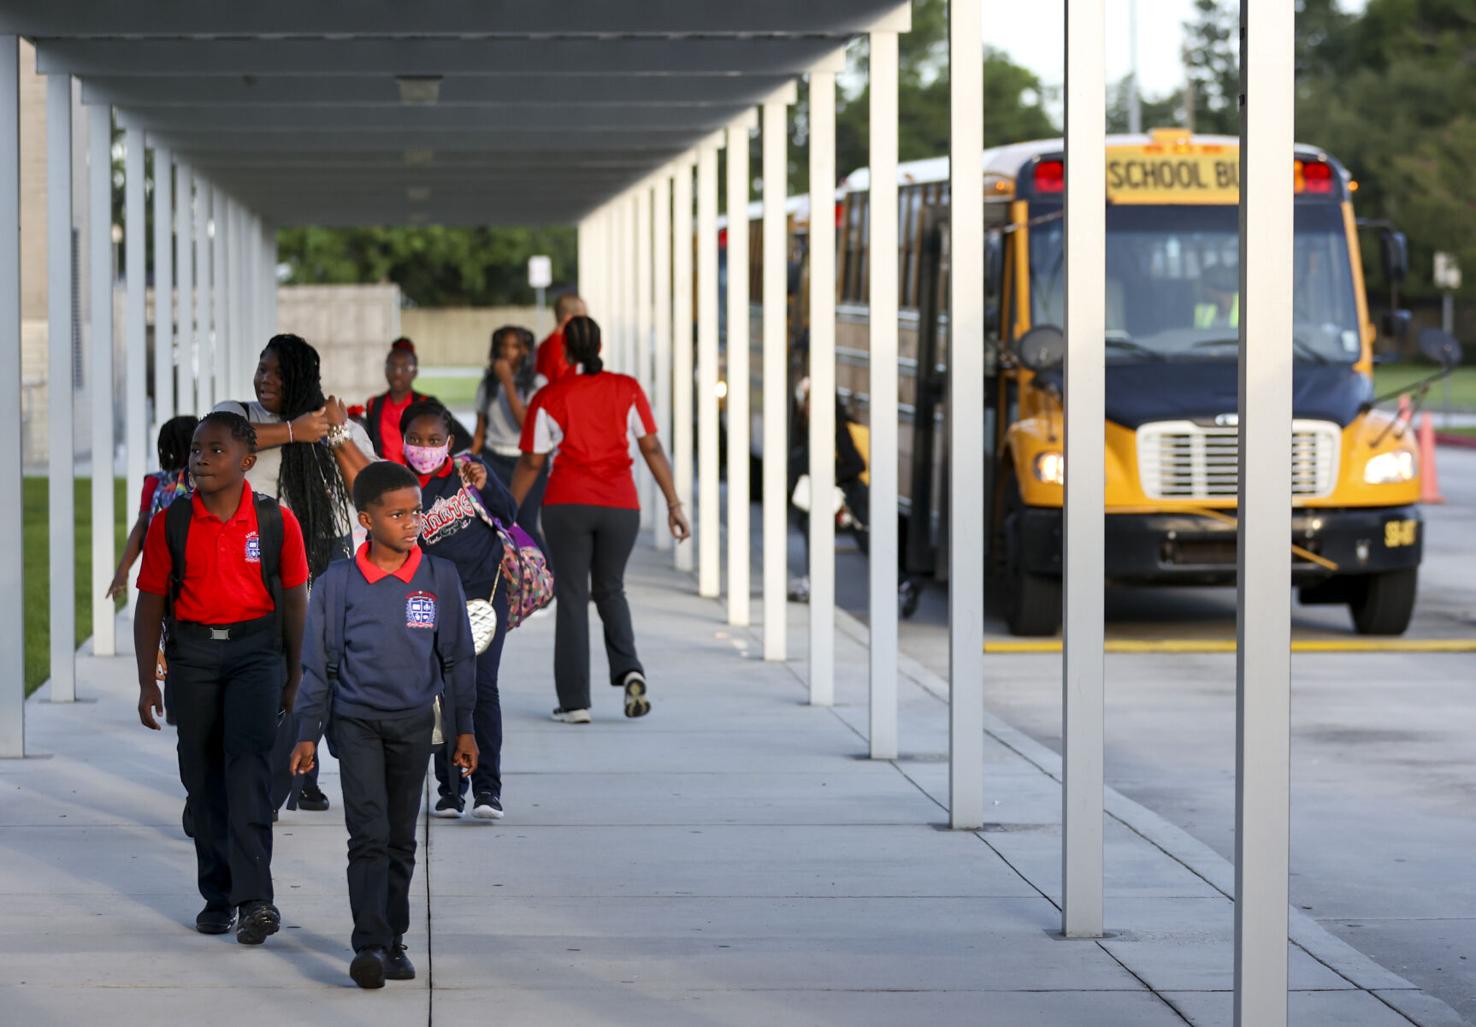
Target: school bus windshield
[{"x": 1173, "y": 287}]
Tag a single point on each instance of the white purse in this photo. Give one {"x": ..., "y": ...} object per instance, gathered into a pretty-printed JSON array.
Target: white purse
[{"x": 483, "y": 617}]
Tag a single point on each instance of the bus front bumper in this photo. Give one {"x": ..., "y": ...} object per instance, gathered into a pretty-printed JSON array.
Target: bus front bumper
[{"x": 1175, "y": 548}]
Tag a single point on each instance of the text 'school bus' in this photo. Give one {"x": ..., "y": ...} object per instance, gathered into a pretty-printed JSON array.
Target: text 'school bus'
[{"x": 1173, "y": 318}]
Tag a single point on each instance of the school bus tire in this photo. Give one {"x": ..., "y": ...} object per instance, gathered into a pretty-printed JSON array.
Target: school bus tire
[
  {"x": 1383, "y": 603},
  {"x": 1032, "y": 602}
]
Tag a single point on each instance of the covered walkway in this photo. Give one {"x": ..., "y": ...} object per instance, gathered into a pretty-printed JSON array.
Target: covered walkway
[{"x": 731, "y": 859}]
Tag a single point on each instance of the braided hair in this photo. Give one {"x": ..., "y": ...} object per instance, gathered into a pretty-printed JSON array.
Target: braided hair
[
  {"x": 309, "y": 479},
  {"x": 174, "y": 442},
  {"x": 582, "y": 344}
]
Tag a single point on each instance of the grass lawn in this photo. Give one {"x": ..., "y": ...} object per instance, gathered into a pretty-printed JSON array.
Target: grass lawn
[
  {"x": 36, "y": 530},
  {"x": 453, "y": 390},
  {"x": 1462, "y": 384}
]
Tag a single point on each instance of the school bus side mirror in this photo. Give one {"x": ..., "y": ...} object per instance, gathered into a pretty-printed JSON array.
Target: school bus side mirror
[
  {"x": 1440, "y": 347},
  {"x": 1042, "y": 348},
  {"x": 1397, "y": 323}
]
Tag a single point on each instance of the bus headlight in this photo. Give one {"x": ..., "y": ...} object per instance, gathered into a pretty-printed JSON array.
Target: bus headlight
[
  {"x": 1389, "y": 468},
  {"x": 1050, "y": 467}
]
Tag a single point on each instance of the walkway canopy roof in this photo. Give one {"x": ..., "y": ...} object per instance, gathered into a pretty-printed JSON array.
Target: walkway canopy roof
[{"x": 450, "y": 111}]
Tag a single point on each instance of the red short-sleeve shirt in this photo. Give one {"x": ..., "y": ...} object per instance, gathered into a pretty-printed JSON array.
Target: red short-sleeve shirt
[
  {"x": 222, "y": 582},
  {"x": 589, "y": 419},
  {"x": 551, "y": 361}
]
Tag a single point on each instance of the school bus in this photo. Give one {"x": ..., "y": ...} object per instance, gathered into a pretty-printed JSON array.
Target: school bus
[{"x": 1173, "y": 313}]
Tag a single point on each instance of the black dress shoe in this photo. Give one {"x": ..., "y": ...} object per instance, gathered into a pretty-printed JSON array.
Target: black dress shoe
[
  {"x": 215, "y": 920},
  {"x": 187, "y": 821},
  {"x": 312, "y": 799},
  {"x": 259, "y": 921},
  {"x": 367, "y": 969},
  {"x": 397, "y": 965}
]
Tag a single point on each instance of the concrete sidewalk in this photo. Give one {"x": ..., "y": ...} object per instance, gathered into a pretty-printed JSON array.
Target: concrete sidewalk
[{"x": 729, "y": 860}]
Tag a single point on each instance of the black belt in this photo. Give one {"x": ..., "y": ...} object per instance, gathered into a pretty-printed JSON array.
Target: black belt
[{"x": 223, "y": 632}]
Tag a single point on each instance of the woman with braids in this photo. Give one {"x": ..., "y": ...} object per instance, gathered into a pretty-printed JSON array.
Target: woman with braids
[
  {"x": 308, "y": 454},
  {"x": 502, "y": 406},
  {"x": 591, "y": 513}
]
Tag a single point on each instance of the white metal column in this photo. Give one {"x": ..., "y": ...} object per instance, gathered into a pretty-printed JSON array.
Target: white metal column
[
  {"x": 681, "y": 359},
  {"x": 882, "y": 387},
  {"x": 184, "y": 268},
  {"x": 12, "y": 621},
  {"x": 204, "y": 301},
  {"x": 643, "y": 340},
  {"x": 221, "y": 350},
  {"x": 775, "y": 256},
  {"x": 1263, "y": 615},
  {"x": 1086, "y": 262},
  {"x": 136, "y": 329},
  {"x": 268, "y": 280},
  {"x": 822, "y": 387},
  {"x": 60, "y": 315},
  {"x": 738, "y": 377},
  {"x": 661, "y": 322},
  {"x": 626, "y": 240},
  {"x": 965, "y": 418},
  {"x": 100, "y": 373},
  {"x": 164, "y": 405},
  {"x": 709, "y": 518}
]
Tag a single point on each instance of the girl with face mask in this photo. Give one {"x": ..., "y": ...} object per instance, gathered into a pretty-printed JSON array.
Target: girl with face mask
[{"x": 451, "y": 527}]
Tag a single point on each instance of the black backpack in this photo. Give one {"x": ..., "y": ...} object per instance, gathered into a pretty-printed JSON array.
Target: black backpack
[{"x": 269, "y": 529}]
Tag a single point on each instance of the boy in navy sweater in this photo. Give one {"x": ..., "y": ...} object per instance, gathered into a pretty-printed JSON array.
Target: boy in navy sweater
[{"x": 387, "y": 637}]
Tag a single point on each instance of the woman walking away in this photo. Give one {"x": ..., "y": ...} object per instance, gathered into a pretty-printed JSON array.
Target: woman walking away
[
  {"x": 502, "y": 407},
  {"x": 308, "y": 455},
  {"x": 591, "y": 513},
  {"x": 382, "y": 413},
  {"x": 457, "y": 499}
]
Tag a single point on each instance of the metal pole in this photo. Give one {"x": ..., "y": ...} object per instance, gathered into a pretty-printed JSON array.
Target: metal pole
[
  {"x": 204, "y": 302},
  {"x": 136, "y": 329},
  {"x": 965, "y": 419},
  {"x": 661, "y": 267},
  {"x": 776, "y": 381},
  {"x": 184, "y": 264},
  {"x": 220, "y": 365},
  {"x": 269, "y": 278},
  {"x": 61, "y": 312},
  {"x": 1135, "y": 94},
  {"x": 164, "y": 406},
  {"x": 709, "y": 518},
  {"x": 681, "y": 362},
  {"x": 739, "y": 426},
  {"x": 12, "y": 624},
  {"x": 1086, "y": 260},
  {"x": 883, "y": 299},
  {"x": 643, "y": 339},
  {"x": 625, "y": 265},
  {"x": 822, "y": 387},
  {"x": 1263, "y": 615},
  {"x": 100, "y": 255}
]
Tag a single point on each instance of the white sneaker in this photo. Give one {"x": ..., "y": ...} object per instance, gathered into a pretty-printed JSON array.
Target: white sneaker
[
  {"x": 564, "y": 716},
  {"x": 448, "y": 808},
  {"x": 636, "y": 703},
  {"x": 487, "y": 807}
]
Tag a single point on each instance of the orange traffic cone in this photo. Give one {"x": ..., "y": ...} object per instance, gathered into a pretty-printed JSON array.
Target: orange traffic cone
[{"x": 1429, "y": 481}]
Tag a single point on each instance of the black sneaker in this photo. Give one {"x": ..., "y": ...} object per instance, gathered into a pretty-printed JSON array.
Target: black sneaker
[
  {"x": 448, "y": 807},
  {"x": 312, "y": 799},
  {"x": 397, "y": 965},
  {"x": 367, "y": 969},
  {"x": 259, "y": 921},
  {"x": 487, "y": 807},
  {"x": 215, "y": 920},
  {"x": 187, "y": 821},
  {"x": 636, "y": 703}
]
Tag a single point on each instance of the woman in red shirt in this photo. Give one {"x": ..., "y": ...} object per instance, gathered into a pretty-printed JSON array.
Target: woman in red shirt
[{"x": 591, "y": 514}]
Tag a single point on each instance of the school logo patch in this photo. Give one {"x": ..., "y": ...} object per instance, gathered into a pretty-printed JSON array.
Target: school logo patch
[
  {"x": 253, "y": 548},
  {"x": 420, "y": 610}
]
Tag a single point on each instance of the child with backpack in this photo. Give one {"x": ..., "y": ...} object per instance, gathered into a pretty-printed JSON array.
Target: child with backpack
[
  {"x": 228, "y": 570},
  {"x": 388, "y": 658},
  {"x": 160, "y": 488}
]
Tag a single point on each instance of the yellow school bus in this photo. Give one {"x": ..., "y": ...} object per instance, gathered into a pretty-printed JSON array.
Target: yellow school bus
[{"x": 1173, "y": 313}]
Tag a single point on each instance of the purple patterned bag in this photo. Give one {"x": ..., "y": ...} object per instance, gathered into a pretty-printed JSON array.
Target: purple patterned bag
[{"x": 530, "y": 583}]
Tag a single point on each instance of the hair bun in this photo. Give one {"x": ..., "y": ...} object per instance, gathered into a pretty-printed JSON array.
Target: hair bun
[{"x": 402, "y": 345}]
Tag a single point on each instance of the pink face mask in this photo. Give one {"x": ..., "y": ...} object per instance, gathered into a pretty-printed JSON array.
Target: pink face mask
[{"x": 426, "y": 459}]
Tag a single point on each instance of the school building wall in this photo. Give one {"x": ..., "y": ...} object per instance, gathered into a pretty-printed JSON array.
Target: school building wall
[{"x": 459, "y": 336}]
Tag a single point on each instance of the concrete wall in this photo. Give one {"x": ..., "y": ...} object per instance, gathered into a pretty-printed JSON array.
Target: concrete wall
[
  {"x": 351, "y": 326},
  {"x": 459, "y": 336}
]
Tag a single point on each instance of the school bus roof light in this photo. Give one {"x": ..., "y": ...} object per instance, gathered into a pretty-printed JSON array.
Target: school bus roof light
[
  {"x": 1050, "y": 176},
  {"x": 1313, "y": 176}
]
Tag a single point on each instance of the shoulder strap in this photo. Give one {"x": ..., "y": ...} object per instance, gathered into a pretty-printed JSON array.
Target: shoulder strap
[
  {"x": 462, "y": 459},
  {"x": 269, "y": 528},
  {"x": 334, "y": 586},
  {"x": 176, "y": 535}
]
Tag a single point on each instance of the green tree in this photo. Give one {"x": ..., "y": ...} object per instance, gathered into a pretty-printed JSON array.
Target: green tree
[{"x": 1211, "y": 59}]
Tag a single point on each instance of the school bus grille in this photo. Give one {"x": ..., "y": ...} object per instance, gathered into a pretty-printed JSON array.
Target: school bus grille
[{"x": 1186, "y": 460}]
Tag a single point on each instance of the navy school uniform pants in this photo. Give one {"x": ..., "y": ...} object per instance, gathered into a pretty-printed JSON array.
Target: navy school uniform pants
[
  {"x": 381, "y": 765},
  {"x": 486, "y": 720},
  {"x": 227, "y": 696}
]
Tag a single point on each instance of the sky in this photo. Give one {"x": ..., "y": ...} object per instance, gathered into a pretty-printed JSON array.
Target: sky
[{"x": 1036, "y": 40}]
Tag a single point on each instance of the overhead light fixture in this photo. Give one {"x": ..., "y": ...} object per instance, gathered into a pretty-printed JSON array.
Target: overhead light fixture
[
  {"x": 418, "y": 193},
  {"x": 419, "y": 89},
  {"x": 420, "y": 156}
]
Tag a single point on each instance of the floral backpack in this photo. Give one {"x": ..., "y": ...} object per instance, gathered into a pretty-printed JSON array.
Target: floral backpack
[
  {"x": 525, "y": 570},
  {"x": 170, "y": 486}
]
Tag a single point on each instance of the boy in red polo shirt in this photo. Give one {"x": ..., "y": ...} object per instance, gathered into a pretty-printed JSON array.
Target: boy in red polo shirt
[
  {"x": 229, "y": 570},
  {"x": 552, "y": 362}
]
